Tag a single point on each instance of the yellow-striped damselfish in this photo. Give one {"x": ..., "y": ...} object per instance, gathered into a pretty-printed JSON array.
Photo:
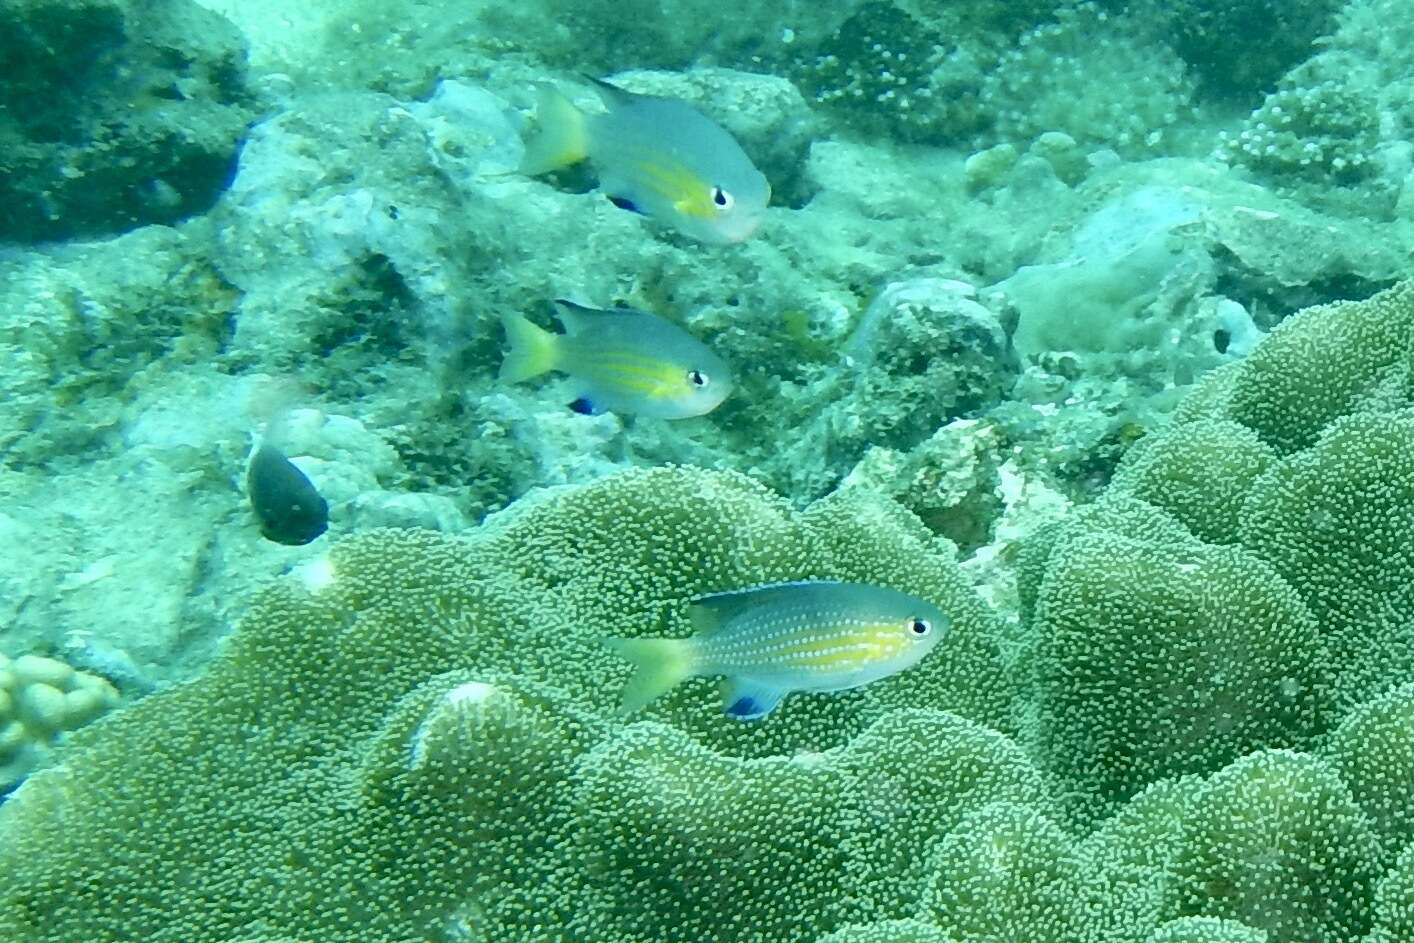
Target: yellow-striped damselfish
[
  {"x": 771, "y": 640},
  {"x": 656, "y": 156},
  {"x": 619, "y": 360}
]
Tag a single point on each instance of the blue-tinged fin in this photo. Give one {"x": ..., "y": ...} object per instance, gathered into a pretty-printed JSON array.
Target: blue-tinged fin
[
  {"x": 624, "y": 203},
  {"x": 584, "y": 406},
  {"x": 710, "y": 612},
  {"x": 749, "y": 700},
  {"x": 659, "y": 665}
]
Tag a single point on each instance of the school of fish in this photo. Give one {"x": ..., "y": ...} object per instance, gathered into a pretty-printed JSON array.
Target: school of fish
[{"x": 662, "y": 158}]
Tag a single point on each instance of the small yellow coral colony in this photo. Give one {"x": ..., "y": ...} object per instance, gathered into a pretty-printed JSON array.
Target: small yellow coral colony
[{"x": 41, "y": 698}]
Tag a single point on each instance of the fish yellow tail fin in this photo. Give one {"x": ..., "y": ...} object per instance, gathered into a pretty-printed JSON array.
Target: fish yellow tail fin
[
  {"x": 659, "y": 665},
  {"x": 560, "y": 137},
  {"x": 531, "y": 352}
]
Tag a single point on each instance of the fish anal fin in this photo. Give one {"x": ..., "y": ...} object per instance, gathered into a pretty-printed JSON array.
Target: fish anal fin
[
  {"x": 624, "y": 203},
  {"x": 744, "y": 699}
]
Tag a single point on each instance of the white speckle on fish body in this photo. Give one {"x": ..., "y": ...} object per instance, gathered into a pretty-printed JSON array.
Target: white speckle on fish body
[{"x": 802, "y": 636}]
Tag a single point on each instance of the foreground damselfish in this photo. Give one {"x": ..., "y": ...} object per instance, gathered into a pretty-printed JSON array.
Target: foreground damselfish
[{"x": 771, "y": 640}]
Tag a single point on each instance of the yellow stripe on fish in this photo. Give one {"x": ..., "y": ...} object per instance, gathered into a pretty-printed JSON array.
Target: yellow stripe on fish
[
  {"x": 771, "y": 640},
  {"x": 878, "y": 642},
  {"x": 633, "y": 365},
  {"x": 679, "y": 187}
]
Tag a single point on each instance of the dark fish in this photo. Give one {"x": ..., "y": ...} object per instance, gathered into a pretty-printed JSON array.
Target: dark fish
[{"x": 289, "y": 508}]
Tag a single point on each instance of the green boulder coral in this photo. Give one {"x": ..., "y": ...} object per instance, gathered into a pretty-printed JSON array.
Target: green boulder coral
[
  {"x": 1394, "y": 902},
  {"x": 1320, "y": 364},
  {"x": 889, "y": 931},
  {"x": 1206, "y": 930},
  {"x": 1275, "y": 840},
  {"x": 683, "y": 844},
  {"x": 339, "y": 772},
  {"x": 1194, "y": 734},
  {"x": 1199, "y": 472},
  {"x": 1373, "y": 750},
  {"x": 1128, "y": 861},
  {"x": 1005, "y": 872},
  {"x": 1155, "y": 660},
  {"x": 915, "y": 776},
  {"x": 1337, "y": 522}
]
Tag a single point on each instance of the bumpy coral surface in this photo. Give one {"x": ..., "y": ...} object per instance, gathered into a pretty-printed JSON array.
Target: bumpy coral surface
[
  {"x": 1036, "y": 87},
  {"x": 41, "y": 699},
  {"x": 1325, "y": 128},
  {"x": 421, "y": 736},
  {"x": 1196, "y": 733},
  {"x": 1241, "y": 48}
]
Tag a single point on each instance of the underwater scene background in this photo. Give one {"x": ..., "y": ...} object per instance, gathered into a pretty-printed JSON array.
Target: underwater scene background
[{"x": 334, "y": 445}]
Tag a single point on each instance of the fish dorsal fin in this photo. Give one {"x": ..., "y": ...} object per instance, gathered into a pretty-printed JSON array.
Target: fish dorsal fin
[
  {"x": 744, "y": 699},
  {"x": 613, "y": 96},
  {"x": 576, "y": 317},
  {"x": 709, "y": 613},
  {"x": 714, "y": 610}
]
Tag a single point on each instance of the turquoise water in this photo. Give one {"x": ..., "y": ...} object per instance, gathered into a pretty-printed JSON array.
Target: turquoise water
[{"x": 1090, "y": 325}]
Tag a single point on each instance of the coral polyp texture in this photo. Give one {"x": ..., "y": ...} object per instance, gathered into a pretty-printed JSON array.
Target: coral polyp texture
[
  {"x": 419, "y": 735},
  {"x": 1195, "y": 733}
]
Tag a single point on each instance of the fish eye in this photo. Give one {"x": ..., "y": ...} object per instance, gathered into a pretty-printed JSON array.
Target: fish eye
[
  {"x": 919, "y": 627},
  {"x": 721, "y": 199},
  {"x": 697, "y": 378}
]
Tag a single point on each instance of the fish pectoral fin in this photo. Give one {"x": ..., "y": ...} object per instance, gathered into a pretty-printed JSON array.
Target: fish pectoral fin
[{"x": 749, "y": 700}]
